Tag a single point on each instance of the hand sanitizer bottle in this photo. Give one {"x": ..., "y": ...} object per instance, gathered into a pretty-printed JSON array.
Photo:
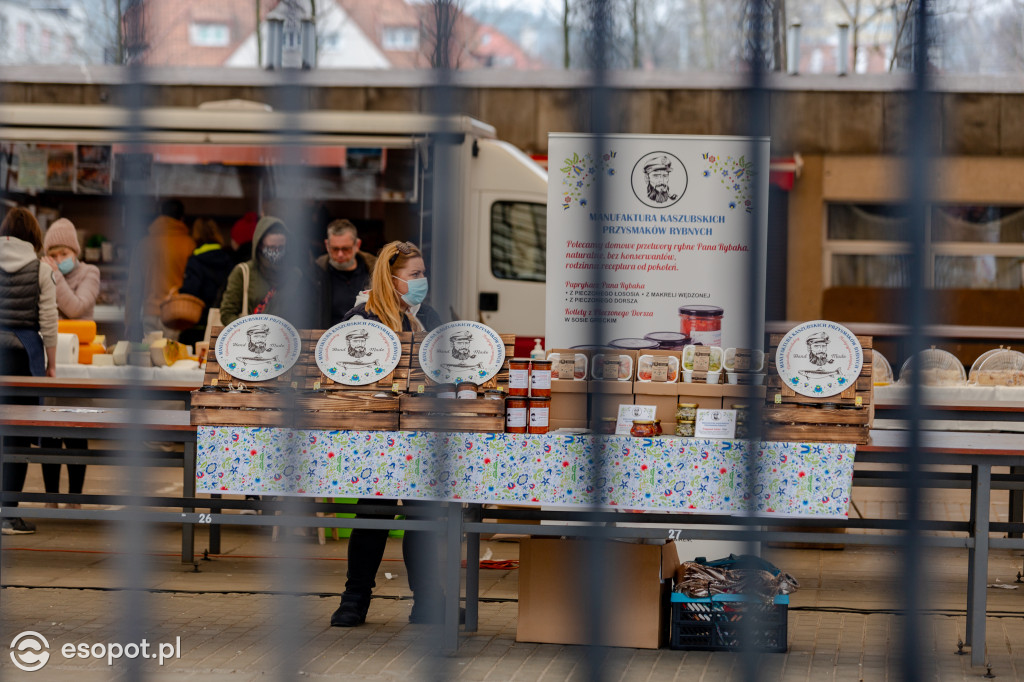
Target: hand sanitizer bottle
[{"x": 538, "y": 351}]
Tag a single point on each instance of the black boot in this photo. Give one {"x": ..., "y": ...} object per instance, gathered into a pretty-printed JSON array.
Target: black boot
[{"x": 351, "y": 613}]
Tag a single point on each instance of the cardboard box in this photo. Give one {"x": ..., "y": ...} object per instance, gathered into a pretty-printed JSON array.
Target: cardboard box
[
  {"x": 606, "y": 396},
  {"x": 664, "y": 397},
  {"x": 569, "y": 405},
  {"x": 553, "y": 593}
]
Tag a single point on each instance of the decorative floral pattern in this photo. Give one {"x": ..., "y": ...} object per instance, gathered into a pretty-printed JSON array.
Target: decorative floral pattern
[
  {"x": 578, "y": 173},
  {"x": 651, "y": 474},
  {"x": 735, "y": 176}
]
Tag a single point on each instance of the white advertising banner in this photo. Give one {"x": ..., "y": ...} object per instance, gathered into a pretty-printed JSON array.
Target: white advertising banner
[{"x": 667, "y": 256}]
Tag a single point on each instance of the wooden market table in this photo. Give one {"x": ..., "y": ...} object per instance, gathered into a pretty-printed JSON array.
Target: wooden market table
[
  {"x": 107, "y": 423},
  {"x": 106, "y": 388},
  {"x": 981, "y": 452}
]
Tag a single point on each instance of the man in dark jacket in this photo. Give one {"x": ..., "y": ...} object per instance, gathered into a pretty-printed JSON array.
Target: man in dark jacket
[{"x": 344, "y": 271}]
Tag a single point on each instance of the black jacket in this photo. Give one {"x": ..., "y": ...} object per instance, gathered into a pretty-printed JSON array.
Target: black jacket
[
  {"x": 427, "y": 316},
  {"x": 206, "y": 274}
]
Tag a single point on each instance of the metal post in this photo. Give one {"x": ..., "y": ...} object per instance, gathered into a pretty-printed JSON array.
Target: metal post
[
  {"x": 843, "y": 50},
  {"x": 793, "y": 57}
]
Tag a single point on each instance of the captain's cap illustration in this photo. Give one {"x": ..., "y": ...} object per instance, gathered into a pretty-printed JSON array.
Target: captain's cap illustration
[
  {"x": 357, "y": 334},
  {"x": 660, "y": 163},
  {"x": 261, "y": 329},
  {"x": 820, "y": 337},
  {"x": 462, "y": 336}
]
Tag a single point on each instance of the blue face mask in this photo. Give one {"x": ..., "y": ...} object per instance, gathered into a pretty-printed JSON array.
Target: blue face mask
[
  {"x": 417, "y": 290},
  {"x": 66, "y": 265}
]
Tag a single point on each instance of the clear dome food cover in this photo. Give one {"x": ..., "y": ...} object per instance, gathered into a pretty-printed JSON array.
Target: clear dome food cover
[
  {"x": 998, "y": 367},
  {"x": 881, "y": 370},
  {"x": 937, "y": 367}
]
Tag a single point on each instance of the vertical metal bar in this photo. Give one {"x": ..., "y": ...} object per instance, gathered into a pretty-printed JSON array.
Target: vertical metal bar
[
  {"x": 979, "y": 564},
  {"x": 452, "y": 577},
  {"x": 473, "y": 571},
  {"x": 969, "y": 635},
  {"x": 756, "y": 99},
  {"x": 598, "y": 100},
  {"x": 920, "y": 127}
]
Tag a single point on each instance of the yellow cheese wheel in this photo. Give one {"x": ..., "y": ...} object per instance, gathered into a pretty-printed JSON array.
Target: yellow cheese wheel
[
  {"x": 85, "y": 353},
  {"x": 85, "y": 330}
]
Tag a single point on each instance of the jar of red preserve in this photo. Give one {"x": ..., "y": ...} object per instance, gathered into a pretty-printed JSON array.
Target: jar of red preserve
[
  {"x": 540, "y": 409},
  {"x": 519, "y": 377},
  {"x": 516, "y": 414},
  {"x": 540, "y": 378},
  {"x": 702, "y": 323}
]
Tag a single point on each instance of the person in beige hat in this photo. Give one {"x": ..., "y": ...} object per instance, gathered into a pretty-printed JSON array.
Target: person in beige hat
[{"x": 78, "y": 285}]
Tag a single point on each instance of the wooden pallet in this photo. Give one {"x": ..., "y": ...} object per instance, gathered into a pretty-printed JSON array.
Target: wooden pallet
[
  {"x": 842, "y": 418},
  {"x": 420, "y": 413},
  {"x": 348, "y": 410},
  {"x": 418, "y": 378},
  {"x": 253, "y": 408},
  {"x": 397, "y": 380}
]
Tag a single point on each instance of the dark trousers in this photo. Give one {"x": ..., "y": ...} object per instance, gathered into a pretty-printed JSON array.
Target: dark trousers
[
  {"x": 76, "y": 472},
  {"x": 366, "y": 551},
  {"x": 14, "y": 361}
]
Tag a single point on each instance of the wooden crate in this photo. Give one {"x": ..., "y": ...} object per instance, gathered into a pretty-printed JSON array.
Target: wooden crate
[
  {"x": 254, "y": 408},
  {"x": 418, "y": 378},
  {"x": 397, "y": 380},
  {"x": 843, "y": 418},
  {"x": 348, "y": 410},
  {"x": 420, "y": 413}
]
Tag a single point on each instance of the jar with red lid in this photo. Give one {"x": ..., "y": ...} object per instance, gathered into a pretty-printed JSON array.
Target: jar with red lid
[
  {"x": 519, "y": 377},
  {"x": 540, "y": 378},
  {"x": 702, "y": 323},
  {"x": 516, "y": 414},
  {"x": 540, "y": 409}
]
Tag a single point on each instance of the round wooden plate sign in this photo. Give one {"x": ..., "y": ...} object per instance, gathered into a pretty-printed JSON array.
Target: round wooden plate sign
[
  {"x": 462, "y": 351},
  {"x": 819, "y": 358},
  {"x": 358, "y": 352},
  {"x": 258, "y": 347}
]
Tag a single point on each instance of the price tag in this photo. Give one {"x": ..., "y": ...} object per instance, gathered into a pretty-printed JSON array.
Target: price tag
[
  {"x": 214, "y": 382},
  {"x": 396, "y": 387},
  {"x": 778, "y": 398},
  {"x": 629, "y": 413},
  {"x": 421, "y": 388},
  {"x": 715, "y": 424},
  {"x": 316, "y": 385},
  {"x": 859, "y": 401}
]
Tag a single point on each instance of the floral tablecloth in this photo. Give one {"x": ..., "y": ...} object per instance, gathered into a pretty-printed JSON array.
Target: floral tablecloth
[{"x": 659, "y": 474}]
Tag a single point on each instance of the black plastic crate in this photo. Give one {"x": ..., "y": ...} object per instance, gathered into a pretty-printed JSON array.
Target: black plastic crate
[{"x": 713, "y": 624}]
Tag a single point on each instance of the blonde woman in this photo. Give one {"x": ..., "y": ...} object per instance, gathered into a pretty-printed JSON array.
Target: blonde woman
[{"x": 395, "y": 299}]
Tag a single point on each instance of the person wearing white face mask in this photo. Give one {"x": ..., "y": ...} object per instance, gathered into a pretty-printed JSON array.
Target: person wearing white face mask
[
  {"x": 78, "y": 285},
  {"x": 398, "y": 288}
]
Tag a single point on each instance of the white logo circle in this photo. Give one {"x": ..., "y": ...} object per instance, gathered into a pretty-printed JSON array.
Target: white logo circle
[
  {"x": 358, "y": 352},
  {"x": 462, "y": 351},
  {"x": 819, "y": 359},
  {"x": 659, "y": 179},
  {"x": 258, "y": 347},
  {"x": 30, "y": 651}
]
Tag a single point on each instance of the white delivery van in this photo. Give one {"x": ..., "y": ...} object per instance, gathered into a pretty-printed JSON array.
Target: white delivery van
[{"x": 375, "y": 168}]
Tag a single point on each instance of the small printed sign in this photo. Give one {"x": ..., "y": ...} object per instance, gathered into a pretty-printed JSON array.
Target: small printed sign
[
  {"x": 462, "y": 351},
  {"x": 358, "y": 352},
  {"x": 258, "y": 347},
  {"x": 819, "y": 358},
  {"x": 715, "y": 424},
  {"x": 630, "y": 413}
]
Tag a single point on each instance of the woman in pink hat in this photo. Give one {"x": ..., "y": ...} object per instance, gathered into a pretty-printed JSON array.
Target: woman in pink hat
[{"x": 78, "y": 285}]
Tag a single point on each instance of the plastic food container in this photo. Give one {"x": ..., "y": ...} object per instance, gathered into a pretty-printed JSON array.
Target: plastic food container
[
  {"x": 579, "y": 370},
  {"x": 519, "y": 377},
  {"x": 540, "y": 409},
  {"x": 715, "y": 361},
  {"x": 937, "y": 368},
  {"x": 624, "y": 363},
  {"x": 516, "y": 414},
  {"x": 540, "y": 378},
  {"x": 466, "y": 391},
  {"x": 668, "y": 340},
  {"x": 702, "y": 323},
  {"x": 647, "y": 372},
  {"x": 634, "y": 344}
]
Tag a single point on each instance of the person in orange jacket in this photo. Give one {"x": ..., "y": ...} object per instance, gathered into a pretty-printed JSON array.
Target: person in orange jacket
[{"x": 159, "y": 267}]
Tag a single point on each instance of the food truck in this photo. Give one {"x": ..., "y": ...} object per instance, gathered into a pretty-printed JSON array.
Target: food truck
[{"x": 223, "y": 159}]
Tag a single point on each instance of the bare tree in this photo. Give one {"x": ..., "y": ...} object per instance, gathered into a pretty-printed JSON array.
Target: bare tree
[
  {"x": 566, "y": 18},
  {"x": 440, "y": 28},
  {"x": 861, "y": 14}
]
